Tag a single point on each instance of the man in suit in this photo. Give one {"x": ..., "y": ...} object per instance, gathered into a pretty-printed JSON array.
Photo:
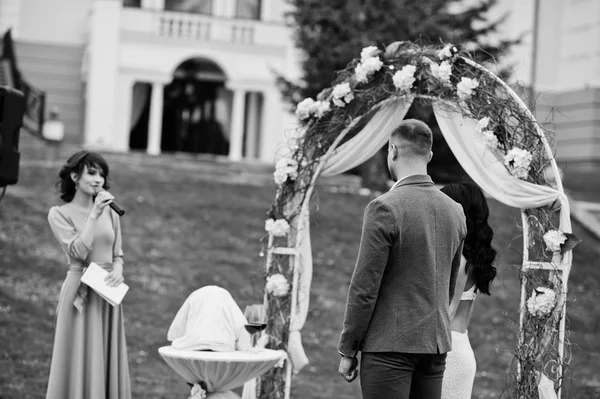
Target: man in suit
[{"x": 405, "y": 276}]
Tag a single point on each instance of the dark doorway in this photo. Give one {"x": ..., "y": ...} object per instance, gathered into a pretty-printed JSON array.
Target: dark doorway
[
  {"x": 140, "y": 116},
  {"x": 189, "y": 115}
]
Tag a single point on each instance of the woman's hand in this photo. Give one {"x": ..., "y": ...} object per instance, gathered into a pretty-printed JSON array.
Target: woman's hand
[
  {"x": 115, "y": 277},
  {"x": 103, "y": 199}
]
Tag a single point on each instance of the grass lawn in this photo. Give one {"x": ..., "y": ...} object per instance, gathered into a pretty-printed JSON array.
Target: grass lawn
[{"x": 183, "y": 231}]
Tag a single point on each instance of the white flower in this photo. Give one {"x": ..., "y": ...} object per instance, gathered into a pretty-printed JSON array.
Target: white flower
[
  {"x": 541, "y": 302},
  {"x": 490, "y": 138},
  {"x": 361, "y": 74},
  {"x": 368, "y": 52},
  {"x": 197, "y": 392},
  {"x": 308, "y": 107},
  {"x": 285, "y": 168},
  {"x": 279, "y": 177},
  {"x": 435, "y": 70},
  {"x": 342, "y": 94},
  {"x": 488, "y": 135},
  {"x": 465, "y": 87},
  {"x": 442, "y": 71},
  {"x": 342, "y": 89},
  {"x": 367, "y": 68},
  {"x": 404, "y": 78},
  {"x": 373, "y": 64},
  {"x": 277, "y": 285},
  {"x": 482, "y": 124},
  {"x": 321, "y": 108},
  {"x": 445, "y": 52},
  {"x": 281, "y": 362},
  {"x": 279, "y": 227},
  {"x": 338, "y": 103},
  {"x": 349, "y": 97},
  {"x": 554, "y": 239},
  {"x": 518, "y": 161},
  {"x": 305, "y": 108}
]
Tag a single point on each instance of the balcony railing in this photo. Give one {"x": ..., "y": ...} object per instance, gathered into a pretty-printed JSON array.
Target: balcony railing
[{"x": 185, "y": 26}]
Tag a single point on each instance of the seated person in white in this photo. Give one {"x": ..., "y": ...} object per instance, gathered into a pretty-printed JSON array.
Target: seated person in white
[{"x": 209, "y": 320}]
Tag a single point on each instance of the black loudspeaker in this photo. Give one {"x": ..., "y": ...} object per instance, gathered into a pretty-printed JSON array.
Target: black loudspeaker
[{"x": 12, "y": 108}]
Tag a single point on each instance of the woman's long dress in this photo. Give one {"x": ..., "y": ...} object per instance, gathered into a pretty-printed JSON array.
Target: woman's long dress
[
  {"x": 460, "y": 362},
  {"x": 89, "y": 358}
]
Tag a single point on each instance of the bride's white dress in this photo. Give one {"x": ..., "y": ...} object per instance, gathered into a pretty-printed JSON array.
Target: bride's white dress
[{"x": 460, "y": 362}]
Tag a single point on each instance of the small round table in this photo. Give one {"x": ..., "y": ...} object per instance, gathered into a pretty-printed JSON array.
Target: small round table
[{"x": 220, "y": 371}]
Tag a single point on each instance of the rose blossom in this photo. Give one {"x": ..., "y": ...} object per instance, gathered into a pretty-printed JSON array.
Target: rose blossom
[
  {"x": 554, "y": 239},
  {"x": 277, "y": 285}
]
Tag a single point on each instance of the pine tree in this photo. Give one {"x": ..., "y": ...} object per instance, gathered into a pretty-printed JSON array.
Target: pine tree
[{"x": 333, "y": 32}]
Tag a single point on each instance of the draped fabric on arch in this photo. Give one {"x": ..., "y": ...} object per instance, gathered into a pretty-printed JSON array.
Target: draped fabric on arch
[
  {"x": 484, "y": 166},
  {"x": 369, "y": 140}
]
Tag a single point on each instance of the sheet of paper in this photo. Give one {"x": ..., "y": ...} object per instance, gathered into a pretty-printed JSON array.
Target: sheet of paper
[{"x": 94, "y": 278}]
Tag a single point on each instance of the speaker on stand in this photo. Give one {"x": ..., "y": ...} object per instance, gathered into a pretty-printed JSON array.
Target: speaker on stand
[{"x": 12, "y": 109}]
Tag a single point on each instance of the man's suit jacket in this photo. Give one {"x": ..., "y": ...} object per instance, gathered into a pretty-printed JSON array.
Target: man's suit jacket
[{"x": 405, "y": 275}]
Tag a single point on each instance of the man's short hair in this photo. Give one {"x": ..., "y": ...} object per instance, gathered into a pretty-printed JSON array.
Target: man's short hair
[{"x": 413, "y": 135}]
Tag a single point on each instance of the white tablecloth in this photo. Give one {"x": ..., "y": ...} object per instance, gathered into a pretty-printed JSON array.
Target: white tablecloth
[{"x": 220, "y": 371}]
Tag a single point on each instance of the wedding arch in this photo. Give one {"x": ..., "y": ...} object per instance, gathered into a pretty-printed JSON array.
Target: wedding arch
[{"x": 498, "y": 143}]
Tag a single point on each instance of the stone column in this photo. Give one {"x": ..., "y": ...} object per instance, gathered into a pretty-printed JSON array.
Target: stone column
[
  {"x": 265, "y": 10},
  {"x": 219, "y": 8},
  {"x": 271, "y": 130},
  {"x": 156, "y": 117},
  {"x": 227, "y": 8},
  {"x": 103, "y": 61},
  {"x": 123, "y": 109},
  {"x": 253, "y": 125},
  {"x": 236, "y": 143}
]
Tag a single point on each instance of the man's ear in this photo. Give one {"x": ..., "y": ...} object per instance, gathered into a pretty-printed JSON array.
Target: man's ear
[
  {"x": 430, "y": 156},
  {"x": 394, "y": 150}
]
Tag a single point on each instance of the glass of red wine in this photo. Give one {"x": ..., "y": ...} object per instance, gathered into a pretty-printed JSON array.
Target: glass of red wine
[{"x": 256, "y": 319}]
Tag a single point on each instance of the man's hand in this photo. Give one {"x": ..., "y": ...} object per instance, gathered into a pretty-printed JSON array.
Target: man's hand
[{"x": 348, "y": 369}]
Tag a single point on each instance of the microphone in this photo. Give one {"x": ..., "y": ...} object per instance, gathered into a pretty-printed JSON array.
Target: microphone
[{"x": 113, "y": 205}]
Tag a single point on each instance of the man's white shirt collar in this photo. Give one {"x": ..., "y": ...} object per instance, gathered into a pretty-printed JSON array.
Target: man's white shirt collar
[{"x": 400, "y": 181}]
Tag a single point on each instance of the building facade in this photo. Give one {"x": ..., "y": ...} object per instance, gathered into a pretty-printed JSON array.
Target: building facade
[
  {"x": 200, "y": 75},
  {"x": 562, "y": 68},
  {"x": 160, "y": 76}
]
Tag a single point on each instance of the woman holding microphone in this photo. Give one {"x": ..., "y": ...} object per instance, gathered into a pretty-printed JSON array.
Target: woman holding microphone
[{"x": 89, "y": 359}]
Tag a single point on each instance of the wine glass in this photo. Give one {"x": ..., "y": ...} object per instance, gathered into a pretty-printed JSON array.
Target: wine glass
[{"x": 256, "y": 320}]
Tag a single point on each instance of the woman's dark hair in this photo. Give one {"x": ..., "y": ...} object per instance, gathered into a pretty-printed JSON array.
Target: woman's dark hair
[
  {"x": 477, "y": 249},
  {"x": 76, "y": 164}
]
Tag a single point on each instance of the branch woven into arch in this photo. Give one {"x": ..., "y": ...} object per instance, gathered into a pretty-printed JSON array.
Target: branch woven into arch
[{"x": 451, "y": 80}]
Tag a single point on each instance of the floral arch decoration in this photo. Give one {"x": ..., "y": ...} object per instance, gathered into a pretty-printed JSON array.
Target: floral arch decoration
[{"x": 497, "y": 141}]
